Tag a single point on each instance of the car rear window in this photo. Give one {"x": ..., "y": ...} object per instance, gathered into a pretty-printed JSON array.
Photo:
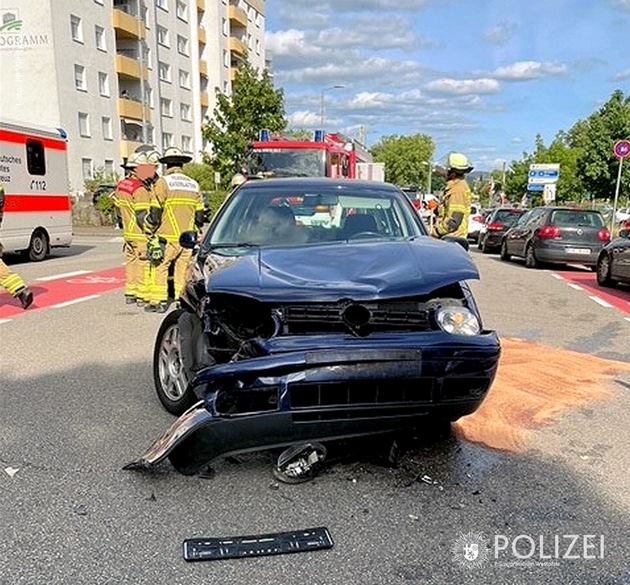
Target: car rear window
[
  {"x": 568, "y": 218},
  {"x": 508, "y": 216}
]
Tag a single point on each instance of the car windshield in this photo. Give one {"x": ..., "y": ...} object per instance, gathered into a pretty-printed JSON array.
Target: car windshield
[
  {"x": 297, "y": 162},
  {"x": 297, "y": 215},
  {"x": 569, "y": 217}
]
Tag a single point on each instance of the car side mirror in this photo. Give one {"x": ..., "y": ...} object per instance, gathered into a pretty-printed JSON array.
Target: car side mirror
[
  {"x": 188, "y": 240},
  {"x": 624, "y": 233}
]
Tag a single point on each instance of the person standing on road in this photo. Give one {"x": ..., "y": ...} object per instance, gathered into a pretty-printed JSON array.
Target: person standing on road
[
  {"x": 132, "y": 199},
  {"x": 176, "y": 207},
  {"x": 455, "y": 209},
  {"x": 9, "y": 280}
]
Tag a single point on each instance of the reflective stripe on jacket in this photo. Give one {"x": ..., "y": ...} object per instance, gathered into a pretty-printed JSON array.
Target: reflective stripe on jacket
[
  {"x": 131, "y": 197},
  {"x": 175, "y": 201}
]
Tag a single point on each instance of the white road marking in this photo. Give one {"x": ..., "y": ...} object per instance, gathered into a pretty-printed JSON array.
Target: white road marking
[
  {"x": 600, "y": 302},
  {"x": 557, "y": 276},
  {"x": 575, "y": 286},
  {"x": 5, "y": 320},
  {"x": 73, "y": 302},
  {"x": 60, "y": 276}
]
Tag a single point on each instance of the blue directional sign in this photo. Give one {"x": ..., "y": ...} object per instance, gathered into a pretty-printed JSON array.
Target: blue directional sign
[
  {"x": 535, "y": 187},
  {"x": 543, "y": 174}
]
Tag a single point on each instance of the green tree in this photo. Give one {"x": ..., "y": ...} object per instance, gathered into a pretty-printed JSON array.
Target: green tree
[
  {"x": 202, "y": 173},
  {"x": 406, "y": 158},
  {"x": 237, "y": 119},
  {"x": 594, "y": 138}
]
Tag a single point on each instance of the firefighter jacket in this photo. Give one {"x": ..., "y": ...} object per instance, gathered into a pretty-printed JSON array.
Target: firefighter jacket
[
  {"x": 132, "y": 199},
  {"x": 455, "y": 210},
  {"x": 176, "y": 206}
]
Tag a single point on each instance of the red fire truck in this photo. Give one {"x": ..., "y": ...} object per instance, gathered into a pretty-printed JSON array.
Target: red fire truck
[{"x": 327, "y": 155}]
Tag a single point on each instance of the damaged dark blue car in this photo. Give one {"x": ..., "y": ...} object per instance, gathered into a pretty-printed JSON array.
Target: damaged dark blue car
[{"x": 317, "y": 310}]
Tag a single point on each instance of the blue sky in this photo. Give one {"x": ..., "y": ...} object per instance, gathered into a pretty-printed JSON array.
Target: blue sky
[{"x": 478, "y": 76}]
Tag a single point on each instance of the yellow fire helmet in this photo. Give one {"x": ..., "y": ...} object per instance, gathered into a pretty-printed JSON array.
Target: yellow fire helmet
[{"x": 459, "y": 162}]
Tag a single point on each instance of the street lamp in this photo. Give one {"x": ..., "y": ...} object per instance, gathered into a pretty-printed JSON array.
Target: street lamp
[
  {"x": 322, "y": 103},
  {"x": 429, "y": 165}
]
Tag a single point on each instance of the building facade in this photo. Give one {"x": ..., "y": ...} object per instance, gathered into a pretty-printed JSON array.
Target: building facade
[{"x": 116, "y": 74}]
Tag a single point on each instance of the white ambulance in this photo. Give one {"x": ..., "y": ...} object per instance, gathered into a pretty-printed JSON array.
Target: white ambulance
[{"x": 37, "y": 205}]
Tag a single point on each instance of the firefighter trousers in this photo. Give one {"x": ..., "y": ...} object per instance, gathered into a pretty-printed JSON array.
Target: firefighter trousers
[
  {"x": 10, "y": 281},
  {"x": 136, "y": 269},
  {"x": 180, "y": 259}
]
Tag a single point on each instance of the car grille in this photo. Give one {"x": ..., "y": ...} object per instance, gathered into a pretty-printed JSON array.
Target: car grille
[
  {"x": 322, "y": 401},
  {"x": 336, "y": 317}
]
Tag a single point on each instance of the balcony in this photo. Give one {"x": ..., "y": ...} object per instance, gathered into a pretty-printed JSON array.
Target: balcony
[
  {"x": 203, "y": 68},
  {"x": 237, "y": 16},
  {"x": 127, "y": 26},
  {"x": 237, "y": 46},
  {"x": 201, "y": 35},
  {"x": 127, "y": 147},
  {"x": 203, "y": 99},
  {"x": 128, "y": 67},
  {"x": 134, "y": 110},
  {"x": 201, "y": 5}
]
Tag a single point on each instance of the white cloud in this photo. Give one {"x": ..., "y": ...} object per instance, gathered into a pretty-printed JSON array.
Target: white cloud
[
  {"x": 516, "y": 140},
  {"x": 500, "y": 35},
  {"x": 527, "y": 70},
  {"x": 622, "y": 75},
  {"x": 623, "y": 5},
  {"x": 304, "y": 119},
  {"x": 463, "y": 86}
]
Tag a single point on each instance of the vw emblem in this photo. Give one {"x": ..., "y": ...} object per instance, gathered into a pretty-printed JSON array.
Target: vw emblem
[{"x": 580, "y": 231}]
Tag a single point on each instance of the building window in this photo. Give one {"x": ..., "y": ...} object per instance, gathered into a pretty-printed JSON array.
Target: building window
[
  {"x": 107, "y": 128},
  {"x": 99, "y": 32},
  {"x": 184, "y": 79},
  {"x": 182, "y": 45},
  {"x": 99, "y": 2},
  {"x": 226, "y": 87},
  {"x": 226, "y": 58},
  {"x": 80, "y": 82},
  {"x": 163, "y": 4},
  {"x": 164, "y": 71},
  {"x": 103, "y": 84},
  {"x": 148, "y": 57},
  {"x": 151, "y": 135},
  {"x": 167, "y": 140},
  {"x": 185, "y": 112},
  {"x": 76, "y": 28},
  {"x": 148, "y": 97},
  {"x": 182, "y": 10},
  {"x": 166, "y": 107},
  {"x": 84, "y": 124},
  {"x": 186, "y": 143},
  {"x": 109, "y": 168},
  {"x": 86, "y": 166},
  {"x": 257, "y": 46},
  {"x": 162, "y": 36},
  {"x": 224, "y": 27}
]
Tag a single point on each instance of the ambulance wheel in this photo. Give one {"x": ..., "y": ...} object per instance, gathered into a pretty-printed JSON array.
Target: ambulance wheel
[{"x": 38, "y": 248}]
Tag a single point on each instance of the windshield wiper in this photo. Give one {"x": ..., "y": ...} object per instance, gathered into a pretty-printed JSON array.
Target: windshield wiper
[{"x": 232, "y": 245}]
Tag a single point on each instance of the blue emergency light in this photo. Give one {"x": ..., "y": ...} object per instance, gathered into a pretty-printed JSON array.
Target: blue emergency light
[
  {"x": 318, "y": 136},
  {"x": 263, "y": 136}
]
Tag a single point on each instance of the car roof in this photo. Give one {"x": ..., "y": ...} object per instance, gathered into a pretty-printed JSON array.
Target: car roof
[{"x": 318, "y": 183}]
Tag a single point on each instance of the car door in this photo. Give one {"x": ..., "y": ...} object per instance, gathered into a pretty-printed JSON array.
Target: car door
[
  {"x": 620, "y": 266},
  {"x": 513, "y": 235}
]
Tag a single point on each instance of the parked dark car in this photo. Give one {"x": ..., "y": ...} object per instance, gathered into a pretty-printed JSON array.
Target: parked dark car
[
  {"x": 496, "y": 224},
  {"x": 613, "y": 263},
  {"x": 291, "y": 330},
  {"x": 559, "y": 235}
]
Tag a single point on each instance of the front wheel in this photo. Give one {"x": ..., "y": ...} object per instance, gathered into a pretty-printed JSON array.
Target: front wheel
[
  {"x": 603, "y": 271},
  {"x": 170, "y": 376},
  {"x": 38, "y": 246}
]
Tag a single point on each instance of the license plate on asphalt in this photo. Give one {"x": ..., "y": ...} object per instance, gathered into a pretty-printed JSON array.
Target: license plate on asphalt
[{"x": 578, "y": 250}]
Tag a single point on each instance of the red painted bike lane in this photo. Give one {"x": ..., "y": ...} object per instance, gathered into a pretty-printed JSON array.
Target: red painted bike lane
[
  {"x": 65, "y": 290},
  {"x": 587, "y": 281}
]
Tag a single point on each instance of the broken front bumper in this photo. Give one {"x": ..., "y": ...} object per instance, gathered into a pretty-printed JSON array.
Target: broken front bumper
[{"x": 320, "y": 388}]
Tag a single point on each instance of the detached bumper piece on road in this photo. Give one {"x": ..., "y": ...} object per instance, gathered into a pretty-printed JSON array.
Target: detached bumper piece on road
[{"x": 299, "y": 393}]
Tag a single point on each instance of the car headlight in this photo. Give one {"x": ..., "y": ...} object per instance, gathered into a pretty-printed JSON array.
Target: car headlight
[{"x": 458, "y": 321}]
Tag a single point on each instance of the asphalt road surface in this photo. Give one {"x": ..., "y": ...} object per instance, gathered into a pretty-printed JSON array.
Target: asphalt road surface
[{"x": 77, "y": 403}]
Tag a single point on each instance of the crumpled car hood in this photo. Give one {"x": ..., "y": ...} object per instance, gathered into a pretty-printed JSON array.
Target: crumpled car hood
[{"x": 329, "y": 272}]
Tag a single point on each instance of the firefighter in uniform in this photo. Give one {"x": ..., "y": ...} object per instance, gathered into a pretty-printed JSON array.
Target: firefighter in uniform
[
  {"x": 176, "y": 207},
  {"x": 9, "y": 280},
  {"x": 132, "y": 199},
  {"x": 453, "y": 214}
]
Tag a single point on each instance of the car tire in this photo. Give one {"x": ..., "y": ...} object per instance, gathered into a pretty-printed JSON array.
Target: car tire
[
  {"x": 603, "y": 271},
  {"x": 170, "y": 376},
  {"x": 484, "y": 247},
  {"x": 38, "y": 246},
  {"x": 530, "y": 257},
  {"x": 480, "y": 243},
  {"x": 504, "y": 253}
]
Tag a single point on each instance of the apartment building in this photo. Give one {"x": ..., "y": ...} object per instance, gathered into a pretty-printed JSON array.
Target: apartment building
[{"x": 115, "y": 74}]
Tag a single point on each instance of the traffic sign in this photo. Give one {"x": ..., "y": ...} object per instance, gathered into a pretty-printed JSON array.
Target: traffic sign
[
  {"x": 622, "y": 148},
  {"x": 543, "y": 174},
  {"x": 535, "y": 186}
]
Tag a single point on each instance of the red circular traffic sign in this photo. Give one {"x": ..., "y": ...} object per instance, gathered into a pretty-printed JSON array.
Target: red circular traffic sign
[{"x": 622, "y": 148}]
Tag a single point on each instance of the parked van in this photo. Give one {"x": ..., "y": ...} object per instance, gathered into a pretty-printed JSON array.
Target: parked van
[{"x": 34, "y": 173}]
